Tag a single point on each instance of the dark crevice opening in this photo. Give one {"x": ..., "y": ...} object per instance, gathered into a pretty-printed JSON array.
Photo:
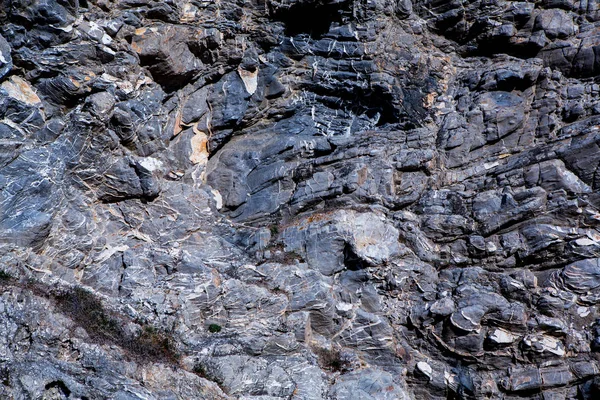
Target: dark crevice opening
[
  {"x": 352, "y": 261},
  {"x": 495, "y": 46},
  {"x": 309, "y": 18},
  {"x": 514, "y": 83},
  {"x": 168, "y": 80},
  {"x": 375, "y": 103},
  {"x": 61, "y": 386}
]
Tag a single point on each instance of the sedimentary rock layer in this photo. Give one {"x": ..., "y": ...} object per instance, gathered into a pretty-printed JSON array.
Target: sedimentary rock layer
[{"x": 301, "y": 199}]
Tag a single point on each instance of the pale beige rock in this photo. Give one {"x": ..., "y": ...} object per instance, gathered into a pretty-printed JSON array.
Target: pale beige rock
[
  {"x": 199, "y": 143},
  {"x": 20, "y": 89},
  {"x": 250, "y": 79}
]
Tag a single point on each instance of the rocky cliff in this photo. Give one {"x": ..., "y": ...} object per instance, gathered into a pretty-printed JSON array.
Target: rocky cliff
[{"x": 299, "y": 199}]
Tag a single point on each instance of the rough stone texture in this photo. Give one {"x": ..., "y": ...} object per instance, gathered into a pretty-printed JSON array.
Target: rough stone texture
[{"x": 301, "y": 199}]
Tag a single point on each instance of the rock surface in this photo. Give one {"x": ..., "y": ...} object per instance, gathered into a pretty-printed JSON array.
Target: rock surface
[{"x": 299, "y": 199}]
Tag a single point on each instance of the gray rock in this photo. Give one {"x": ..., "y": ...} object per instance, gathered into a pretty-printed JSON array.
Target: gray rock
[
  {"x": 5, "y": 57},
  {"x": 344, "y": 240},
  {"x": 404, "y": 8},
  {"x": 299, "y": 199},
  {"x": 582, "y": 276},
  {"x": 555, "y": 23},
  {"x": 368, "y": 384}
]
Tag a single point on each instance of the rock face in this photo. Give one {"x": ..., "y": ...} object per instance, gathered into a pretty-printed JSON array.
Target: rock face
[{"x": 303, "y": 199}]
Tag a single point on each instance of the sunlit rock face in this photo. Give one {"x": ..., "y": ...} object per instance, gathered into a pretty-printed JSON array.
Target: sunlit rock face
[{"x": 301, "y": 199}]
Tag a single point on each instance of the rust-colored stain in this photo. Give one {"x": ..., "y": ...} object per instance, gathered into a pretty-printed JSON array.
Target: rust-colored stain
[
  {"x": 75, "y": 83},
  {"x": 177, "y": 128},
  {"x": 318, "y": 217},
  {"x": 199, "y": 143},
  {"x": 362, "y": 175},
  {"x": 429, "y": 99},
  {"x": 136, "y": 47}
]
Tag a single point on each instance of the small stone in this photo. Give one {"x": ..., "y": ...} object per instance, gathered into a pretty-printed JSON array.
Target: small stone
[
  {"x": 583, "y": 311},
  {"x": 501, "y": 336},
  {"x": 425, "y": 368},
  {"x": 404, "y": 8},
  {"x": 443, "y": 307},
  {"x": 468, "y": 318}
]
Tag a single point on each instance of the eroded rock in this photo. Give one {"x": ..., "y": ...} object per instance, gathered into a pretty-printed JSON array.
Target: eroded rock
[{"x": 302, "y": 199}]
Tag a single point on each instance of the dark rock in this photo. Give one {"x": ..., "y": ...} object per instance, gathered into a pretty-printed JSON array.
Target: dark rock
[
  {"x": 299, "y": 199},
  {"x": 229, "y": 101},
  {"x": 404, "y": 8},
  {"x": 5, "y": 57},
  {"x": 582, "y": 276},
  {"x": 195, "y": 107},
  {"x": 166, "y": 53}
]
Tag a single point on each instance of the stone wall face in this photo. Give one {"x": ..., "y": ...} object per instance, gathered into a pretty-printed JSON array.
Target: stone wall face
[{"x": 299, "y": 199}]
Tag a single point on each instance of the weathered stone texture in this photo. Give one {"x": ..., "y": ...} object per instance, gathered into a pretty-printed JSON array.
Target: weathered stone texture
[{"x": 302, "y": 199}]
